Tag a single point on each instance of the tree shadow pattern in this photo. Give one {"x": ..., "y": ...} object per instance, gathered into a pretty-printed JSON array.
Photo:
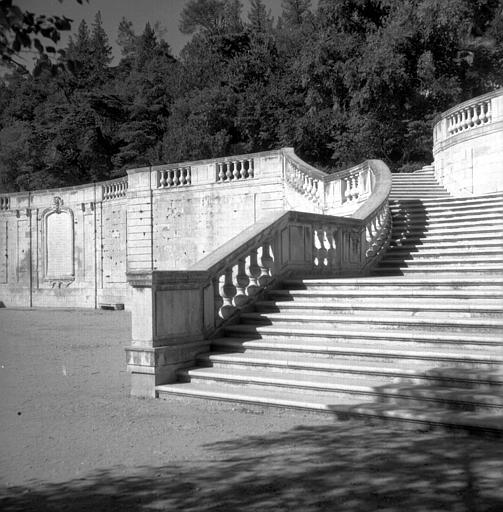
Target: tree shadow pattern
[{"x": 346, "y": 466}]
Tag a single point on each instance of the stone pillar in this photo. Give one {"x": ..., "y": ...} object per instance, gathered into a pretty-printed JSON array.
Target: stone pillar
[
  {"x": 139, "y": 220},
  {"x": 168, "y": 326}
]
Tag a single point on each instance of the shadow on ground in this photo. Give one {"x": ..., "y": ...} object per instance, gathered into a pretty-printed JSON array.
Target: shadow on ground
[{"x": 344, "y": 467}]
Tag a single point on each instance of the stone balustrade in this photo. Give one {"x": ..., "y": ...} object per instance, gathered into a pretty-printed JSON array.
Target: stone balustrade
[
  {"x": 339, "y": 192},
  {"x": 175, "y": 312},
  {"x": 469, "y": 117},
  {"x": 174, "y": 177},
  {"x": 232, "y": 170},
  {"x": 468, "y": 146},
  {"x": 114, "y": 189},
  {"x": 4, "y": 202}
]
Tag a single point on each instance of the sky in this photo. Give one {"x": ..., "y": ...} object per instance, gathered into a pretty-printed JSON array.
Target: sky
[{"x": 166, "y": 12}]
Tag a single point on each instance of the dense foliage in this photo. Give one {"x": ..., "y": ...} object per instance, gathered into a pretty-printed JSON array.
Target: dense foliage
[{"x": 349, "y": 80}]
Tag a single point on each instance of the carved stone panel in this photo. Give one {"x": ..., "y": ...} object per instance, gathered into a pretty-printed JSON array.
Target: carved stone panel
[{"x": 59, "y": 244}]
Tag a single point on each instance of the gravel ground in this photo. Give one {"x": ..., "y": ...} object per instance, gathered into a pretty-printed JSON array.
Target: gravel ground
[{"x": 72, "y": 439}]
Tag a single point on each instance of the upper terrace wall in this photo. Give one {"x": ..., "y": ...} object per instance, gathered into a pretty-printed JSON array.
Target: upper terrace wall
[
  {"x": 468, "y": 146},
  {"x": 73, "y": 246},
  {"x": 64, "y": 247}
]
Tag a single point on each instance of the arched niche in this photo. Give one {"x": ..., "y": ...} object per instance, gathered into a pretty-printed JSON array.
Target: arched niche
[{"x": 58, "y": 239}]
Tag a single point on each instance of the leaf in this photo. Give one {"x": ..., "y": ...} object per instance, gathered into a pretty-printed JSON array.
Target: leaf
[{"x": 38, "y": 45}]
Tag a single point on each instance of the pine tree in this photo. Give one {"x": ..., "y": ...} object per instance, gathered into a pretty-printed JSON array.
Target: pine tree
[
  {"x": 295, "y": 12},
  {"x": 126, "y": 38},
  {"x": 100, "y": 49},
  {"x": 259, "y": 17},
  {"x": 80, "y": 48}
]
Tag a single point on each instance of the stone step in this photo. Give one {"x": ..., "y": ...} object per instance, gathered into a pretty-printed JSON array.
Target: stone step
[
  {"x": 465, "y": 245},
  {"x": 362, "y": 305},
  {"x": 391, "y": 260},
  {"x": 422, "y": 196},
  {"x": 452, "y": 219},
  {"x": 450, "y": 211},
  {"x": 484, "y": 199},
  {"x": 375, "y": 373},
  {"x": 418, "y": 188},
  {"x": 447, "y": 270},
  {"x": 448, "y": 230},
  {"x": 347, "y": 389},
  {"x": 427, "y": 415},
  {"x": 413, "y": 333},
  {"x": 424, "y": 353},
  {"x": 492, "y": 326},
  {"x": 468, "y": 281},
  {"x": 425, "y": 237},
  {"x": 415, "y": 252}
]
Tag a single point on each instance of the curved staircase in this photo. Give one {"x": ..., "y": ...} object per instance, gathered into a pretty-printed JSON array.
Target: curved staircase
[{"x": 421, "y": 340}]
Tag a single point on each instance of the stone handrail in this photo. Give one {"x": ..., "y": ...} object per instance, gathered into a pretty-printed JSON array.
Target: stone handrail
[
  {"x": 175, "y": 311},
  {"x": 340, "y": 191}
]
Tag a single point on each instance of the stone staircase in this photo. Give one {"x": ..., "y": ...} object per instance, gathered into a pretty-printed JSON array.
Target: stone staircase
[{"x": 420, "y": 341}]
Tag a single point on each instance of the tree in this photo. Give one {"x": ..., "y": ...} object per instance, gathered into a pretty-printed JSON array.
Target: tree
[
  {"x": 205, "y": 15},
  {"x": 259, "y": 17},
  {"x": 22, "y": 30},
  {"x": 295, "y": 12},
  {"x": 100, "y": 48}
]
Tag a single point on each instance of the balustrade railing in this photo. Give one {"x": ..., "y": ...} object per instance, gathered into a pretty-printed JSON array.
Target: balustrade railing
[
  {"x": 174, "y": 177},
  {"x": 306, "y": 181},
  {"x": 114, "y": 189},
  {"x": 469, "y": 117},
  {"x": 344, "y": 189},
  {"x": 472, "y": 114},
  {"x": 232, "y": 170},
  {"x": 4, "y": 202}
]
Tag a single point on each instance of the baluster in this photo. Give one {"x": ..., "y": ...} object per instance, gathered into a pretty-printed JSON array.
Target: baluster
[
  {"x": 253, "y": 272},
  {"x": 485, "y": 108},
  {"x": 476, "y": 117},
  {"x": 251, "y": 168},
  {"x": 228, "y": 174},
  {"x": 317, "y": 244},
  {"x": 314, "y": 191},
  {"x": 242, "y": 282},
  {"x": 325, "y": 246},
  {"x": 189, "y": 176},
  {"x": 221, "y": 174},
  {"x": 227, "y": 292},
  {"x": 170, "y": 178},
  {"x": 472, "y": 111},
  {"x": 265, "y": 265},
  {"x": 217, "y": 299},
  {"x": 236, "y": 173}
]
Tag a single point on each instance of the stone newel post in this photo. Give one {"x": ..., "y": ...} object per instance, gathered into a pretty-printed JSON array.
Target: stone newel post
[{"x": 167, "y": 326}]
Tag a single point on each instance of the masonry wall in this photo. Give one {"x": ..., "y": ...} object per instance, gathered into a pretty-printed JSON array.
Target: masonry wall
[
  {"x": 63, "y": 247},
  {"x": 468, "y": 146},
  {"x": 73, "y": 246}
]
